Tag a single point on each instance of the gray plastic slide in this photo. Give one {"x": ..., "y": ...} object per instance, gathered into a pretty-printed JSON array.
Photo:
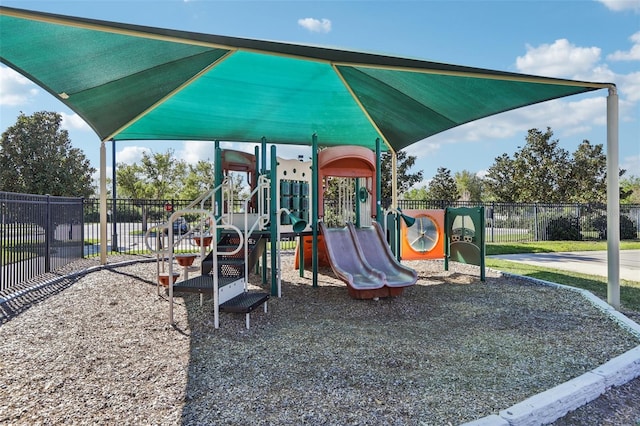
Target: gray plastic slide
[
  {"x": 347, "y": 260},
  {"x": 377, "y": 252}
]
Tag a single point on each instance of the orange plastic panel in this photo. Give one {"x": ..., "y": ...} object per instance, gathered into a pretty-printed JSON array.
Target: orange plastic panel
[
  {"x": 323, "y": 259},
  {"x": 426, "y": 238}
]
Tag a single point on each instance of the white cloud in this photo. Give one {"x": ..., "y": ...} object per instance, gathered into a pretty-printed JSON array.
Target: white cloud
[
  {"x": 629, "y": 86},
  {"x": 194, "y": 151},
  {"x": 632, "y": 54},
  {"x": 73, "y": 121},
  {"x": 315, "y": 25},
  {"x": 425, "y": 148},
  {"x": 620, "y": 5},
  {"x": 560, "y": 59},
  {"x": 14, "y": 88},
  {"x": 131, "y": 154}
]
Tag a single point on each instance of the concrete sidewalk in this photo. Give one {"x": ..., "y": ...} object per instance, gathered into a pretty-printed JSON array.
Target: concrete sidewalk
[{"x": 586, "y": 262}]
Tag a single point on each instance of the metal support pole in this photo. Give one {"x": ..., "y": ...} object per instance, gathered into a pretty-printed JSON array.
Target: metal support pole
[
  {"x": 357, "y": 202},
  {"x": 263, "y": 170},
  {"x": 613, "y": 202},
  {"x": 256, "y": 176},
  {"x": 394, "y": 179},
  {"x": 263, "y": 158},
  {"x": 378, "y": 184},
  {"x": 218, "y": 208},
  {"x": 274, "y": 223},
  {"x": 114, "y": 209},
  {"x": 314, "y": 208},
  {"x": 301, "y": 255},
  {"x": 103, "y": 203}
]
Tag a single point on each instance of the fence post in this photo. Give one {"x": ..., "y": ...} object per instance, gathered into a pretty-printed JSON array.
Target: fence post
[
  {"x": 82, "y": 225},
  {"x": 47, "y": 240}
]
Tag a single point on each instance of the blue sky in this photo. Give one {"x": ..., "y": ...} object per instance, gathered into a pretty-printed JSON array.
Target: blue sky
[{"x": 592, "y": 40}]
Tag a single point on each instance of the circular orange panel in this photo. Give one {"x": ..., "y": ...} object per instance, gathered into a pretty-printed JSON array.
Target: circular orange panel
[{"x": 425, "y": 239}]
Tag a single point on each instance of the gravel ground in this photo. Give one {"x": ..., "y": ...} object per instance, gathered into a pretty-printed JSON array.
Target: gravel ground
[{"x": 97, "y": 349}]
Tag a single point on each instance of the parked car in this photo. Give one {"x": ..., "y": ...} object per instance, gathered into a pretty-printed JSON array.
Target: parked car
[{"x": 180, "y": 226}]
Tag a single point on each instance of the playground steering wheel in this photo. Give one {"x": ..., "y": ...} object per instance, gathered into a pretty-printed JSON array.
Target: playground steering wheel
[{"x": 423, "y": 235}]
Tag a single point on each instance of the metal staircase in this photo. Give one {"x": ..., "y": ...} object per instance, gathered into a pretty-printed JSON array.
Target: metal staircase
[
  {"x": 232, "y": 293},
  {"x": 238, "y": 249}
]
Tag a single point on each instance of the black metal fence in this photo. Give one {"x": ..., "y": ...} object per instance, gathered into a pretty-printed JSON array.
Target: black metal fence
[
  {"x": 132, "y": 225},
  {"x": 38, "y": 234},
  {"x": 42, "y": 233},
  {"x": 505, "y": 222},
  {"x": 525, "y": 222}
]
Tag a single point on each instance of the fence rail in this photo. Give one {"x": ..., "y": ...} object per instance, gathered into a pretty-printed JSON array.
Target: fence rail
[{"x": 42, "y": 233}]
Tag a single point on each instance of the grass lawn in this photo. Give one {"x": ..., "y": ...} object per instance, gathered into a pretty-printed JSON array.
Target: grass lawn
[
  {"x": 629, "y": 290},
  {"x": 555, "y": 246}
]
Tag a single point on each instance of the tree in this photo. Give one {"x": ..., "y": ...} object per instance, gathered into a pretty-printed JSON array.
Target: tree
[
  {"x": 589, "y": 175},
  {"x": 469, "y": 186},
  {"x": 499, "y": 180},
  {"x": 421, "y": 193},
  {"x": 630, "y": 190},
  {"x": 543, "y": 172},
  {"x": 542, "y": 169},
  {"x": 130, "y": 182},
  {"x": 535, "y": 174},
  {"x": 158, "y": 176},
  {"x": 405, "y": 179},
  {"x": 36, "y": 157},
  {"x": 443, "y": 186},
  {"x": 199, "y": 180}
]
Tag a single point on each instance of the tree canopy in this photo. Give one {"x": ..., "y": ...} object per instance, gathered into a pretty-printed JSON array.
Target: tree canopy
[
  {"x": 443, "y": 186},
  {"x": 36, "y": 157},
  {"x": 405, "y": 179},
  {"x": 469, "y": 185},
  {"x": 543, "y": 172},
  {"x": 158, "y": 176}
]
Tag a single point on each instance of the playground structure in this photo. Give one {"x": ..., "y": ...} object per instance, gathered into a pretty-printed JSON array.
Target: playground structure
[
  {"x": 350, "y": 251},
  {"x": 425, "y": 239},
  {"x": 288, "y": 199}
]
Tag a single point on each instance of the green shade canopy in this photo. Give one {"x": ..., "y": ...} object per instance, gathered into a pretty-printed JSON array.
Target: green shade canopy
[{"x": 132, "y": 82}]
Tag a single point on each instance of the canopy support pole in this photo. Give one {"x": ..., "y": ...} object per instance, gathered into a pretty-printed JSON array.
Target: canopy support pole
[
  {"x": 263, "y": 158},
  {"x": 263, "y": 170},
  {"x": 114, "y": 203},
  {"x": 613, "y": 202},
  {"x": 314, "y": 208},
  {"x": 274, "y": 215},
  {"x": 379, "y": 218},
  {"x": 103, "y": 203},
  {"x": 394, "y": 179}
]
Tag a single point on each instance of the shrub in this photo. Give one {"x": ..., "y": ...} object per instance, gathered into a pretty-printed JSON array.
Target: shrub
[
  {"x": 627, "y": 227},
  {"x": 560, "y": 228}
]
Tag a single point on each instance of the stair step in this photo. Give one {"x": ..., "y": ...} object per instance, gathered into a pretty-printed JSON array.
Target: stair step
[
  {"x": 202, "y": 284},
  {"x": 244, "y": 302}
]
